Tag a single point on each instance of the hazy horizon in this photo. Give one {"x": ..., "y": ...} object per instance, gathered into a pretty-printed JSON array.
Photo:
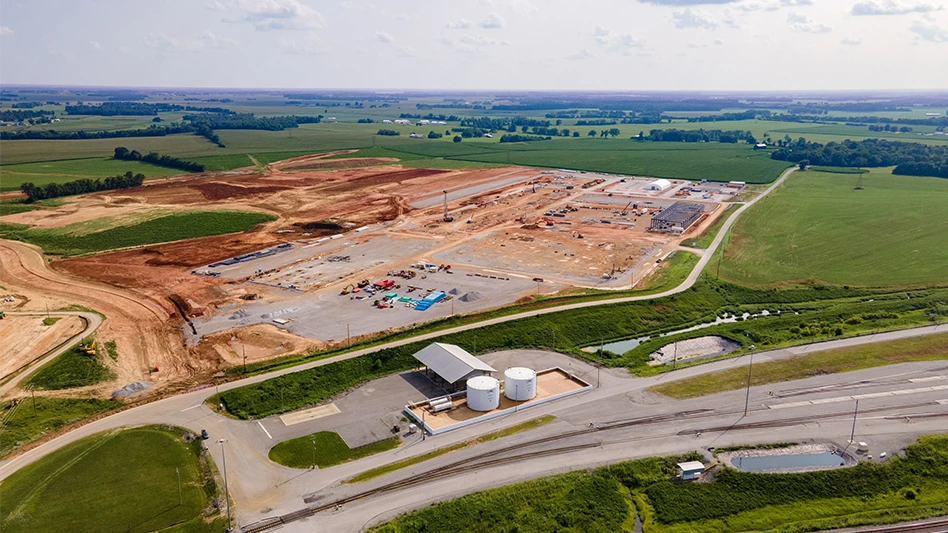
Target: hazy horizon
[{"x": 479, "y": 46}]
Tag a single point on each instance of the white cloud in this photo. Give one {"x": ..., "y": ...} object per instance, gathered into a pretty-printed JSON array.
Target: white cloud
[
  {"x": 165, "y": 43},
  {"x": 459, "y": 24},
  {"x": 95, "y": 44},
  {"x": 796, "y": 3},
  {"x": 493, "y": 21},
  {"x": 384, "y": 37},
  {"x": 582, "y": 54},
  {"x": 406, "y": 51},
  {"x": 617, "y": 42},
  {"x": 801, "y": 22},
  {"x": 477, "y": 40},
  {"x": 930, "y": 32},
  {"x": 309, "y": 45},
  {"x": 850, "y": 42},
  {"x": 891, "y": 7},
  {"x": 679, "y": 3},
  {"x": 719, "y": 42},
  {"x": 5, "y": 30},
  {"x": 266, "y": 15},
  {"x": 690, "y": 18}
]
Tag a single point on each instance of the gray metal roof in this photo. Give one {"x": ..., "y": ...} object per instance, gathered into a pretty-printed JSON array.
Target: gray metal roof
[
  {"x": 450, "y": 362},
  {"x": 691, "y": 465}
]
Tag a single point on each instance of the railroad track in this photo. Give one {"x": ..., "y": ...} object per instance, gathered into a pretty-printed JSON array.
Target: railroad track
[{"x": 932, "y": 526}]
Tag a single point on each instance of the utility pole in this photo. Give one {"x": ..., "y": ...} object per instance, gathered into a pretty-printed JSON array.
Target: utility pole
[
  {"x": 313, "y": 439},
  {"x": 598, "y": 372},
  {"x": 178, "y": 473},
  {"x": 244, "y": 346},
  {"x": 852, "y": 436},
  {"x": 675, "y": 364},
  {"x": 747, "y": 397},
  {"x": 226, "y": 491},
  {"x": 348, "y": 337}
]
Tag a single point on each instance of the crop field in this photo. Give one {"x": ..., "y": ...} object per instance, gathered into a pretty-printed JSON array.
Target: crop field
[
  {"x": 325, "y": 449},
  {"x": 71, "y": 369},
  {"x": 43, "y": 173},
  {"x": 927, "y": 348},
  {"x": 901, "y": 489},
  {"x": 124, "y": 480},
  {"x": 31, "y": 418},
  {"x": 71, "y": 240},
  {"x": 816, "y": 227}
]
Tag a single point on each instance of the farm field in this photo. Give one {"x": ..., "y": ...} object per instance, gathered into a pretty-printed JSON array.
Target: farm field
[
  {"x": 123, "y": 480},
  {"x": 817, "y": 228},
  {"x": 735, "y": 501},
  {"x": 927, "y": 348},
  {"x": 43, "y": 173},
  {"x": 78, "y": 239},
  {"x": 326, "y": 449}
]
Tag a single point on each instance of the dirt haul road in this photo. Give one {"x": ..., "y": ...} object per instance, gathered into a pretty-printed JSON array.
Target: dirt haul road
[{"x": 141, "y": 328}]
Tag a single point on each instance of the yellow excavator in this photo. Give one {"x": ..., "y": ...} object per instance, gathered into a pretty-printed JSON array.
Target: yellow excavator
[
  {"x": 347, "y": 290},
  {"x": 88, "y": 349}
]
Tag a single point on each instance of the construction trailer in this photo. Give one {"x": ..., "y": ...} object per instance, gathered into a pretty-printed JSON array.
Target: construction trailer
[{"x": 677, "y": 218}]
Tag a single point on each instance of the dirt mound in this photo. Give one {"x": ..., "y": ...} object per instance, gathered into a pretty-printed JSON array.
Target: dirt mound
[
  {"x": 454, "y": 292},
  {"x": 223, "y": 191},
  {"x": 382, "y": 178},
  {"x": 353, "y": 162}
]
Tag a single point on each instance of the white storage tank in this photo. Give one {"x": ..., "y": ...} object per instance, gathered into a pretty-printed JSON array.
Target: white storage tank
[
  {"x": 483, "y": 393},
  {"x": 520, "y": 384}
]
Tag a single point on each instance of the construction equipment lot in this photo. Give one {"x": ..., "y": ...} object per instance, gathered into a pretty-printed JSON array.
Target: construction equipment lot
[{"x": 471, "y": 239}]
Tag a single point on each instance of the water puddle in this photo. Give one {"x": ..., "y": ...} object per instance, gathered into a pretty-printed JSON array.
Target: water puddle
[{"x": 760, "y": 463}]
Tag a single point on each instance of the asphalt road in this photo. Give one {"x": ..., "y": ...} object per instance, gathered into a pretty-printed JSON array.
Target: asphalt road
[
  {"x": 261, "y": 488},
  {"x": 93, "y": 321}
]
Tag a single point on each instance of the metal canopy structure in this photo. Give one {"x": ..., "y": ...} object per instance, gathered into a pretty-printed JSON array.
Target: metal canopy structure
[
  {"x": 679, "y": 215},
  {"x": 451, "y": 363}
]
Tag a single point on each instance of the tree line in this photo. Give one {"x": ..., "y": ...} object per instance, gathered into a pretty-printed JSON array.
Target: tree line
[
  {"x": 909, "y": 159},
  {"x": 701, "y": 135},
  {"x": 17, "y": 115},
  {"x": 81, "y": 186},
  {"x": 111, "y": 109},
  {"x": 159, "y": 160},
  {"x": 517, "y": 138}
]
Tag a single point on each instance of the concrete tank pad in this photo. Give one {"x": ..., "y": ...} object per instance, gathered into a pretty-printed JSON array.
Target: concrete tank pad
[
  {"x": 306, "y": 415},
  {"x": 552, "y": 384}
]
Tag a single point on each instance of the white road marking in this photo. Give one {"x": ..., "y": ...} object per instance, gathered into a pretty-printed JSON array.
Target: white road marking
[
  {"x": 931, "y": 378},
  {"x": 858, "y": 397},
  {"x": 264, "y": 429},
  {"x": 192, "y": 407}
]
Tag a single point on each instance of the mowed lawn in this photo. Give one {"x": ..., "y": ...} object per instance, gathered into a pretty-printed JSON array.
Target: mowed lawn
[
  {"x": 116, "y": 481},
  {"x": 329, "y": 447},
  {"x": 816, "y": 227},
  {"x": 46, "y": 172},
  {"x": 76, "y": 238}
]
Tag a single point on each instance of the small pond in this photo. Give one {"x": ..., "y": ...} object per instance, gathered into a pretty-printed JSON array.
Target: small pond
[{"x": 758, "y": 463}]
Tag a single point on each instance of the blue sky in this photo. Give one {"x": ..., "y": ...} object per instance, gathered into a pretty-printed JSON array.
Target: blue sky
[{"x": 478, "y": 44}]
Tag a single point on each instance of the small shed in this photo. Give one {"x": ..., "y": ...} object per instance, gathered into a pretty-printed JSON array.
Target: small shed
[
  {"x": 451, "y": 366},
  {"x": 691, "y": 469}
]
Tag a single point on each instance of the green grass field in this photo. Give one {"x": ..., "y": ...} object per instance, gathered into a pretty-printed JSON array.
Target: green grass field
[
  {"x": 816, "y": 227},
  {"x": 123, "y": 480},
  {"x": 329, "y": 449},
  {"x": 707, "y": 236},
  {"x": 70, "y": 370},
  {"x": 80, "y": 238},
  {"x": 34, "y": 417},
  {"x": 44, "y": 173},
  {"x": 927, "y": 348},
  {"x": 494, "y": 435}
]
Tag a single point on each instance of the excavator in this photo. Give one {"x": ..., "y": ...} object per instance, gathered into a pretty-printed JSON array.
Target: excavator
[
  {"x": 347, "y": 290},
  {"x": 88, "y": 349}
]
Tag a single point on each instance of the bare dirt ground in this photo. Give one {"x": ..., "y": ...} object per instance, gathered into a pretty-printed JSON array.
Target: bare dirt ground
[{"x": 26, "y": 338}]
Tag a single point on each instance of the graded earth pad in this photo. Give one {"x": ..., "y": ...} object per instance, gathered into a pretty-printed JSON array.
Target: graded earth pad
[{"x": 26, "y": 338}]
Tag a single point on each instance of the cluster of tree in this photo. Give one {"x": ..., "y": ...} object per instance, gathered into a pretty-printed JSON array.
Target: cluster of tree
[
  {"x": 648, "y": 106},
  {"x": 366, "y": 120},
  {"x": 911, "y": 159},
  {"x": 516, "y": 138},
  {"x": 390, "y": 133},
  {"x": 852, "y": 107},
  {"x": 155, "y": 159},
  {"x": 111, "y": 109},
  {"x": 450, "y": 106},
  {"x": 598, "y": 113},
  {"x": 26, "y": 105},
  {"x": 889, "y": 127},
  {"x": 151, "y": 131},
  {"x": 750, "y": 114},
  {"x": 503, "y": 123},
  {"x": 431, "y": 116},
  {"x": 597, "y": 122},
  {"x": 611, "y": 132},
  {"x": 247, "y": 121},
  {"x": 17, "y": 115},
  {"x": 80, "y": 186},
  {"x": 434, "y": 135},
  {"x": 208, "y": 109},
  {"x": 701, "y": 135}
]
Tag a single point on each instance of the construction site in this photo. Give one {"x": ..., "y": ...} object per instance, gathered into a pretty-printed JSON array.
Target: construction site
[{"x": 361, "y": 247}]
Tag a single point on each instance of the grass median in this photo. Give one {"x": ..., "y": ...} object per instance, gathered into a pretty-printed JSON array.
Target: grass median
[
  {"x": 325, "y": 449},
  {"x": 925, "y": 348}
]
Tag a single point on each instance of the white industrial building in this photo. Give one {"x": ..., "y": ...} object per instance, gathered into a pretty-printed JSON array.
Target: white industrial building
[
  {"x": 451, "y": 366},
  {"x": 691, "y": 469},
  {"x": 658, "y": 185}
]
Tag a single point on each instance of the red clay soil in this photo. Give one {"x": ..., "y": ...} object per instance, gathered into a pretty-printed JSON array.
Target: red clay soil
[
  {"x": 223, "y": 191},
  {"x": 384, "y": 178}
]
